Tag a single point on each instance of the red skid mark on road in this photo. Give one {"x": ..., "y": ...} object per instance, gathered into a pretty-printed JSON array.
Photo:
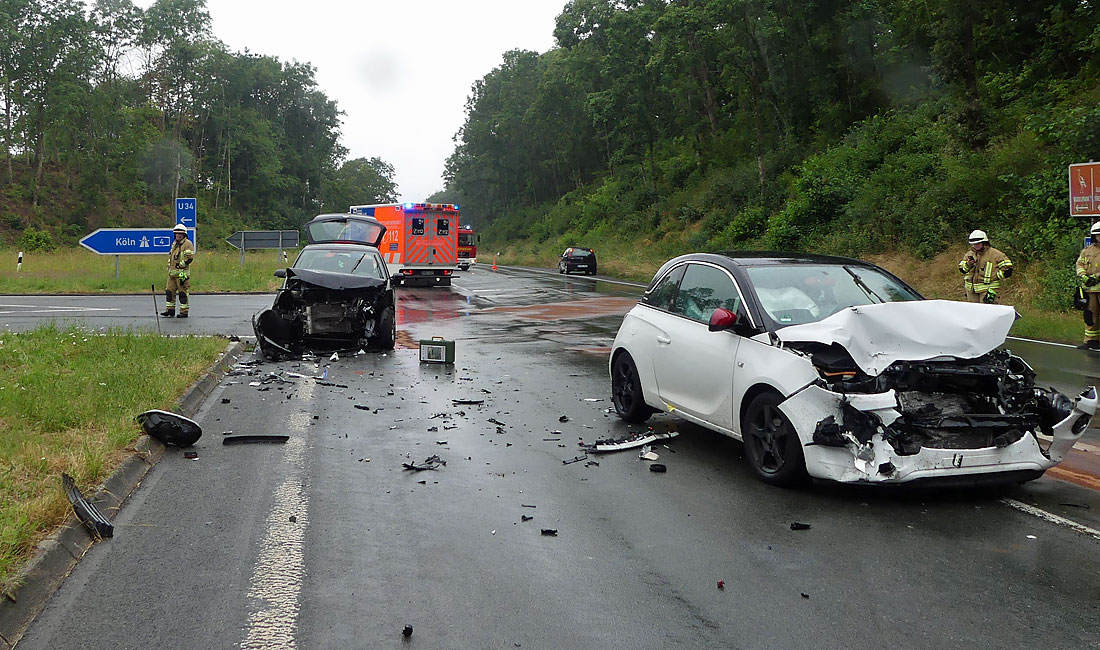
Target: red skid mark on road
[
  {"x": 1080, "y": 468},
  {"x": 571, "y": 310},
  {"x": 596, "y": 352}
]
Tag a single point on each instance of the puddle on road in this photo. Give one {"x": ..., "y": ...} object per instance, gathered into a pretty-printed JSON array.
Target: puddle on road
[{"x": 586, "y": 324}]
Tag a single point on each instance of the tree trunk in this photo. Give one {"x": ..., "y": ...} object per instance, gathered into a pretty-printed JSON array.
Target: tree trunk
[{"x": 38, "y": 153}]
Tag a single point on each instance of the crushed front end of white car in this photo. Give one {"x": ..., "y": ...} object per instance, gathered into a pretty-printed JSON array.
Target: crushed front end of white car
[{"x": 919, "y": 390}]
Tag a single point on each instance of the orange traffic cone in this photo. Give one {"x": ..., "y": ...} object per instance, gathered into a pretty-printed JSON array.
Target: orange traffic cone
[{"x": 495, "y": 261}]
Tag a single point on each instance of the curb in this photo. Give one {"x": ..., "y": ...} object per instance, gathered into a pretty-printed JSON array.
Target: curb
[{"x": 57, "y": 555}]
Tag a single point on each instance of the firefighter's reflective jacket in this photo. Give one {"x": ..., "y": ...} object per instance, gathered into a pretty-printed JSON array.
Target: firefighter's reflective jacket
[
  {"x": 179, "y": 258},
  {"x": 984, "y": 271},
  {"x": 1088, "y": 265}
]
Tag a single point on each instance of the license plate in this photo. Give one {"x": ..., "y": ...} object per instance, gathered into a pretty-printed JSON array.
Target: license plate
[{"x": 582, "y": 266}]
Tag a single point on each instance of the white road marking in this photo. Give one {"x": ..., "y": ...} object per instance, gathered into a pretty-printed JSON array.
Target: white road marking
[
  {"x": 53, "y": 309},
  {"x": 276, "y": 583},
  {"x": 1051, "y": 517}
]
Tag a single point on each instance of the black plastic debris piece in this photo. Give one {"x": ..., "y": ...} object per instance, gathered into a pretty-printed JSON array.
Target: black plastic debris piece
[
  {"x": 86, "y": 511},
  {"x": 468, "y": 401},
  {"x": 798, "y": 525},
  {"x": 550, "y": 532},
  {"x": 576, "y": 459},
  {"x": 430, "y": 463},
  {"x": 254, "y": 438},
  {"x": 805, "y": 595},
  {"x": 225, "y": 400},
  {"x": 593, "y": 463},
  {"x": 407, "y": 632},
  {"x": 362, "y": 407},
  {"x": 886, "y": 468},
  {"x": 657, "y": 467},
  {"x": 525, "y": 517},
  {"x": 329, "y": 383},
  {"x": 190, "y": 455},
  {"x": 497, "y": 422},
  {"x": 524, "y": 505},
  {"x": 170, "y": 428},
  {"x": 564, "y": 418}
]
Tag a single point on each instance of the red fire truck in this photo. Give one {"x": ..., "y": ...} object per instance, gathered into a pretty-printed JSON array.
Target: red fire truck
[
  {"x": 467, "y": 248},
  {"x": 421, "y": 241}
]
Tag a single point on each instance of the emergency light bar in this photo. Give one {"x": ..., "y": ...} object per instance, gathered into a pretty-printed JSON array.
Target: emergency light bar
[{"x": 436, "y": 207}]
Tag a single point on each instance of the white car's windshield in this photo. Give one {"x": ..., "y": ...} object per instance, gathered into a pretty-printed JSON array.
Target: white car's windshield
[
  {"x": 350, "y": 262},
  {"x": 806, "y": 293}
]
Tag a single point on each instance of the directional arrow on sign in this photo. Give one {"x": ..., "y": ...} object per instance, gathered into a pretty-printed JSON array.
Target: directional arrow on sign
[{"x": 131, "y": 241}]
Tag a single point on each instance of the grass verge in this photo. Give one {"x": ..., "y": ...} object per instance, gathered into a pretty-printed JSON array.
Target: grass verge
[
  {"x": 68, "y": 398},
  {"x": 81, "y": 271}
]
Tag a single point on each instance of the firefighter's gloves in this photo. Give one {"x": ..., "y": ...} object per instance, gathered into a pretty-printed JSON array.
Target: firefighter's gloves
[
  {"x": 184, "y": 274},
  {"x": 989, "y": 298},
  {"x": 1091, "y": 280}
]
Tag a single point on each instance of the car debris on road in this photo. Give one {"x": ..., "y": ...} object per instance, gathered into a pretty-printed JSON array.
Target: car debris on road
[
  {"x": 254, "y": 438},
  {"x": 170, "y": 428},
  {"x": 430, "y": 463},
  {"x": 628, "y": 442}
]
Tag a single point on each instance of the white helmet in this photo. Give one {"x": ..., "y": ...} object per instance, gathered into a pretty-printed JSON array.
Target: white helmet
[
  {"x": 1095, "y": 230},
  {"x": 180, "y": 228},
  {"x": 978, "y": 236}
]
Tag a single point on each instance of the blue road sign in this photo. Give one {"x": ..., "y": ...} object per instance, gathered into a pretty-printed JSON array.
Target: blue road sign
[
  {"x": 187, "y": 212},
  {"x": 131, "y": 241}
]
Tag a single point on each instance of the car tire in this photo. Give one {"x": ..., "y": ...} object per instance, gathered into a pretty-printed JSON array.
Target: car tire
[
  {"x": 626, "y": 391},
  {"x": 772, "y": 447},
  {"x": 385, "y": 331}
]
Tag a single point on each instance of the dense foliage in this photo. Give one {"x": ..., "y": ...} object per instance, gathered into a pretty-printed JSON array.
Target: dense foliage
[
  {"x": 108, "y": 109},
  {"x": 843, "y": 126}
]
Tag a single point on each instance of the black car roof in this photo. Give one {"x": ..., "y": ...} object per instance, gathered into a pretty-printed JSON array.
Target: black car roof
[{"x": 760, "y": 258}]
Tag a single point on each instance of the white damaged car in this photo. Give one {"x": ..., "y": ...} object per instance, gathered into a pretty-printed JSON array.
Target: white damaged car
[{"x": 835, "y": 369}]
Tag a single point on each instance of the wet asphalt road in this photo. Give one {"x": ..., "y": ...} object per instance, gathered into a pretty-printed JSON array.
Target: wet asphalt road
[{"x": 327, "y": 542}]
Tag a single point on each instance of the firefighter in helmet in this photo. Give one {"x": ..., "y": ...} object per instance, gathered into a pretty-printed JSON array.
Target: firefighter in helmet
[
  {"x": 1088, "y": 274},
  {"x": 179, "y": 273},
  {"x": 983, "y": 267}
]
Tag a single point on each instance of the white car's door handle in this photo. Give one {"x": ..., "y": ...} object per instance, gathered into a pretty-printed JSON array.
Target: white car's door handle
[{"x": 663, "y": 340}]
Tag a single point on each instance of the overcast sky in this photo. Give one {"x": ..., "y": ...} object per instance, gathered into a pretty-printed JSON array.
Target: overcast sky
[{"x": 401, "y": 70}]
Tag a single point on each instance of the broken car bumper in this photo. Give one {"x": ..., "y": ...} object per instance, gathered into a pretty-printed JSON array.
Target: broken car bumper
[{"x": 849, "y": 458}]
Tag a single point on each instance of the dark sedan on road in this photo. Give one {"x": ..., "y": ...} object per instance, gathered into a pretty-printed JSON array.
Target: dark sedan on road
[
  {"x": 579, "y": 259},
  {"x": 833, "y": 368},
  {"x": 338, "y": 293}
]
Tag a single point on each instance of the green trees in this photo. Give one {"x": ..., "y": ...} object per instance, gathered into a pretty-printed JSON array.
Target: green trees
[
  {"x": 143, "y": 106},
  {"x": 843, "y": 126}
]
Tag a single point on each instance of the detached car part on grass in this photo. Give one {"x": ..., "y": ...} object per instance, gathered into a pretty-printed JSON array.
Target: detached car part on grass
[{"x": 834, "y": 369}]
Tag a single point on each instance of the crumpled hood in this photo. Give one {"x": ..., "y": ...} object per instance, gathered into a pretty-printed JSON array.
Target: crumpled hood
[
  {"x": 878, "y": 335},
  {"x": 338, "y": 281}
]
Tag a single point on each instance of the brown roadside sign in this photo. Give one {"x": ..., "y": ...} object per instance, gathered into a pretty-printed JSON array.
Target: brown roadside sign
[{"x": 1084, "y": 190}]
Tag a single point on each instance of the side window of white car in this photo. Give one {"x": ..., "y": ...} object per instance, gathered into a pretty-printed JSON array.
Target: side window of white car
[
  {"x": 662, "y": 292},
  {"x": 704, "y": 289}
]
